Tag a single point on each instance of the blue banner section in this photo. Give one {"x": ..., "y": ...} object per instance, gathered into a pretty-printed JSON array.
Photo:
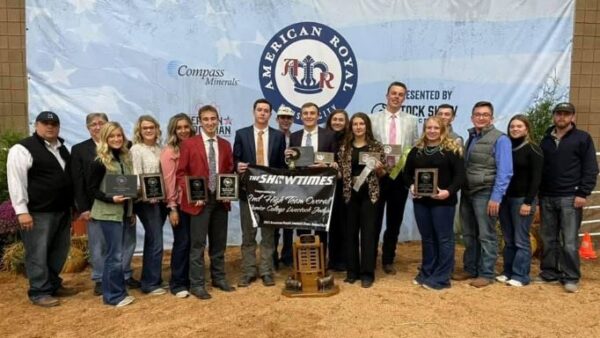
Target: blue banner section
[{"x": 162, "y": 57}]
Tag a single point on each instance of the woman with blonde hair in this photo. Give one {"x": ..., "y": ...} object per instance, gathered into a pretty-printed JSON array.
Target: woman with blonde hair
[
  {"x": 113, "y": 213},
  {"x": 518, "y": 205},
  {"x": 145, "y": 154},
  {"x": 435, "y": 213},
  {"x": 179, "y": 129}
]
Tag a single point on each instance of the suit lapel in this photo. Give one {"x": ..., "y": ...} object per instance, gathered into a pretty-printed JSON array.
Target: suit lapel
[
  {"x": 251, "y": 145},
  {"x": 202, "y": 152}
]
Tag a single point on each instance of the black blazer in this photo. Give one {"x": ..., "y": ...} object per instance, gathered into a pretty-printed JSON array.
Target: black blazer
[
  {"x": 82, "y": 155},
  {"x": 327, "y": 140}
]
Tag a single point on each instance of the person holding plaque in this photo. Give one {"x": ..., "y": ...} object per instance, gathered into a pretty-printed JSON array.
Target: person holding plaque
[
  {"x": 518, "y": 206},
  {"x": 114, "y": 213},
  {"x": 337, "y": 122},
  {"x": 361, "y": 194},
  {"x": 152, "y": 212},
  {"x": 393, "y": 127},
  {"x": 489, "y": 168},
  {"x": 257, "y": 144},
  {"x": 435, "y": 154},
  {"x": 179, "y": 129},
  {"x": 206, "y": 155},
  {"x": 320, "y": 139}
]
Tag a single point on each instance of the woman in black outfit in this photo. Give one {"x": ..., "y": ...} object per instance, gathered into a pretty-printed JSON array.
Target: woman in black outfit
[
  {"x": 337, "y": 122},
  {"x": 361, "y": 194},
  {"x": 518, "y": 205},
  {"x": 435, "y": 214}
]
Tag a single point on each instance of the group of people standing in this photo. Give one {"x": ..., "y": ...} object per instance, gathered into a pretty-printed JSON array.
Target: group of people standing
[{"x": 492, "y": 174}]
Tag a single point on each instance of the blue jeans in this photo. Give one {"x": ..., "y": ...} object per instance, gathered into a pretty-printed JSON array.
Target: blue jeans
[
  {"x": 113, "y": 278},
  {"x": 517, "y": 245},
  {"x": 479, "y": 235},
  {"x": 97, "y": 249},
  {"x": 436, "y": 225},
  {"x": 559, "y": 232},
  {"x": 46, "y": 250},
  {"x": 152, "y": 216},
  {"x": 180, "y": 255}
]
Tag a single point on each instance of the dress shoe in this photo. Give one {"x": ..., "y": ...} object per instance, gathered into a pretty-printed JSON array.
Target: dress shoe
[
  {"x": 45, "y": 301},
  {"x": 268, "y": 280},
  {"x": 350, "y": 280},
  {"x": 133, "y": 283},
  {"x": 98, "y": 289},
  {"x": 245, "y": 281},
  {"x": 366, "y": 283},
  {"x": 389, "y": 269},
  {"x": 201, "y": 293},
  {"x": 481, "y": 282},
  {"x": 64, "y": 292},
  {"x": 460, "y": 276},
  {"x": 223, "y": 286}
]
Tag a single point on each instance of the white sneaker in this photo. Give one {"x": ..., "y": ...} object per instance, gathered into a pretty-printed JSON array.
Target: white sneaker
[
  {"x": 571, "y": 287},
  {"x": 182, "y": 294},
  {"x": 415, "y": 282},
  {"x": 126, "y": 301},
  {"x": 157, "y": 292},
  {"x": 513, "y": 282},
  {"x": 502, "y": 278}
]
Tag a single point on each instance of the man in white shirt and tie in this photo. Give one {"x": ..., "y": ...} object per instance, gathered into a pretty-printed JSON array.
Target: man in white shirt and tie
[{"x": 394, "y": 127}]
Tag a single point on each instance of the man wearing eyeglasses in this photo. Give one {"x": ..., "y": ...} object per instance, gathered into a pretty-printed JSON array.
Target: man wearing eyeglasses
[{"x": 488, "y": 162}]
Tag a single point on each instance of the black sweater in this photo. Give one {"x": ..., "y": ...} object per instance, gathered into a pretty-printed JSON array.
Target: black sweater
[
  {"x": 451, "y": 173},
  {"x": 527, "y": 170},
  {"x": 570, "y": 167}
]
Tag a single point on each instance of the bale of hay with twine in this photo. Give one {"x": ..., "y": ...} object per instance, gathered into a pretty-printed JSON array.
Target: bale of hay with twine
[{"x": 14, "y": 256}]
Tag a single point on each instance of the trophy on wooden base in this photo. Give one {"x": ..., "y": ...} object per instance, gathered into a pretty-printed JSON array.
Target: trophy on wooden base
[{"x": 309, "y": 279}]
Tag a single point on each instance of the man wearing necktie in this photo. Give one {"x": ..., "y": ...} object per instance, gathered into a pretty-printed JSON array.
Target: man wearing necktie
[
  {"x": 320, "y": 139},
  {"x": 257, "y": 144},
  {"x": 392, "y": 126},
  {"x": 206, "y": 155}
]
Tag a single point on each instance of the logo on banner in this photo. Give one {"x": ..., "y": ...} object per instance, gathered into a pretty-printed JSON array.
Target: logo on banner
[
  {"x": 209, "y": 76},
  {"x": 308, "y": 62}
]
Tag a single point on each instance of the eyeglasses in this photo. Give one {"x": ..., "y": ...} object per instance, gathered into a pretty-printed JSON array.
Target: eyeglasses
[
  {"x": 96, "y": 124},
  {"x": 482, "y": 115}
]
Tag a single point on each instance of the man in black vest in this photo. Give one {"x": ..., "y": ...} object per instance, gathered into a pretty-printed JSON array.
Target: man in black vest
[{"x": 39, "y": 183}]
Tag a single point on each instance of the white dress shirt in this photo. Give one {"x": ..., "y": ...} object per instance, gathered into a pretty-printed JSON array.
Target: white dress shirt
[
  {"x": 18, "y": 163},
  {"x": 314, "y": 138},
  {"x": 265, "y": 138}
]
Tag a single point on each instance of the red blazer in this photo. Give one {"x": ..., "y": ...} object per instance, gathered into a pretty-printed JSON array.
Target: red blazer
[{"x": 193, "y": 161}]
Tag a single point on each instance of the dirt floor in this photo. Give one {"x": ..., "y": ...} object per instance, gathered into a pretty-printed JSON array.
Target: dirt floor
[{"x": 393, "y": 307}]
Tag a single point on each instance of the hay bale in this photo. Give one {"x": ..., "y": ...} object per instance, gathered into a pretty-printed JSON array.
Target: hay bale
[
  {"x": 13, "y": 259},
  {"x": 76, "y": 261}
]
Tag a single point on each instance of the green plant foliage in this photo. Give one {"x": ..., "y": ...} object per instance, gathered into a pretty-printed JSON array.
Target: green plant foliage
[
  {"x": 540, "y": 113},
  {"x": 7, "y": 140}
]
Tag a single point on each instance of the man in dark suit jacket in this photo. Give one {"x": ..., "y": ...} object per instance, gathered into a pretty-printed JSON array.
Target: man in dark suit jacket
[
  {"x": 199, "y": 156},
  {"x": 82, "y": 154},
  {"x": 320, "y": 139},
  {"x": 258, "y": 144}
]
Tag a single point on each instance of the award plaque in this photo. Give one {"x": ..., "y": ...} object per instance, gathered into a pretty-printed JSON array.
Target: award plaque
[
  {"x": 392, "y": 154},
  {"x": 364, "y": 156},
  {"x": 153, "y": 186},
  {"x": 227, "y": 187},
  {"x": 301, "y": 157},
  {"x": 197, "y": 188},
  {"x": 115, "y": 185},
  {"x": 426, "y": 180},
  {"x": 323, "y": 157}
]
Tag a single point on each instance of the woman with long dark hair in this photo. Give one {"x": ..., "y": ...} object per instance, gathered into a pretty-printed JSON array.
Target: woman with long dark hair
[
  {"x": 435, "y": 213},
  {"x": 113, "y": 213},
  {"x": 518, "y": 205},
  {"x": 179, "y": 129},
  {"x": 360, "y": 172},
  {"x": 337, "y": 122}
]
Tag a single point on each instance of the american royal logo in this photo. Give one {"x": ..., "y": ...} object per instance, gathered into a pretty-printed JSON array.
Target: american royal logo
[{"x": 308, "y": 62}]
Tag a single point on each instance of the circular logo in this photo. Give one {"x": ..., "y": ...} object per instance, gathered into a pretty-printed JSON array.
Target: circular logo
[
  {"x": 426, "y": 178},
  {"x": 308, "y": 62},
  {"x": 387, "y": 149},
  {"x": 152, "y": 182},
  {"x": 320, "y": 157},
  {"x": 121, "y": 180},
  {"x": 227, "y": 182}
]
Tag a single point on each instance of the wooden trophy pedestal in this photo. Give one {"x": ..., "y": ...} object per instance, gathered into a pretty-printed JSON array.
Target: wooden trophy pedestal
[{"x": 308, "y": 278}]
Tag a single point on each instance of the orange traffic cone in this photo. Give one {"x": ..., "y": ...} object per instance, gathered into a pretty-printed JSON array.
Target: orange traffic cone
[{"x": 586, "y": 250}]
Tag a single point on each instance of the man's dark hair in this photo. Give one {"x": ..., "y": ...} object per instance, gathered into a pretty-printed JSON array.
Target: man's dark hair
[
  {"x": 483, "y": 104},
  {"x": 445, "y": 105},
  {"x": 262, "y": 101},
  {"x": 309, "y": 104},
  {"x": 207, "y": 108},
  {"x": 396, "y": 83}
]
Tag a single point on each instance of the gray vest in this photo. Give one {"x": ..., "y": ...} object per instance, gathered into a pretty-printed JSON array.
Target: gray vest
[{"x": 481, "y": 164}]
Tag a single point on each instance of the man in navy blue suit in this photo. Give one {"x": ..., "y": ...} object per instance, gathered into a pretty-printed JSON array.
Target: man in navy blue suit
[
  {"x": 321, "y": 139},
  {"x": 262, "y": 145}
]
